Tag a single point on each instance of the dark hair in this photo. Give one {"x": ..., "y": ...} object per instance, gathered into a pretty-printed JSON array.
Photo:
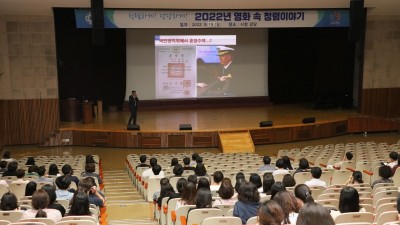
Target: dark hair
[
  {"x": 20, "y": 173},
  {"x": 32, "y": 169},
  {"x": 200, "y": 170},
  {"x": 239, "y": 175},
  {"x": 248, "y": 192},
  {"x": 30, "y": 188},
  {"x": 270, "y": 213},
  {"x": 357, "y": 177},
  {"x": 288, "y": 203},
  {"x": 40, "y": 199},
  {"x": 89, "y": 159},
  {"x": 193, "y": 179},
  {"x": 41, "y": 171},
  {"x": 67, "y": 169},
  {"x": 164, "y": 181},
  {"x": 286, "y": 162},
  {"x": 86, "y": 184},
  {"x": 218, "y": 176},
  {"x": 53, "y": 169},
  {"x": 239, "y": 183},
  {"x": 79, "y": 204},
  {"x": 303, "y": 164},
  {"x": 280, "y": 164},
  {"x": 349, "y": 200},
  {"x": 303, "y": 193},
  {"x": 195, "y": 156},
  {"x": 92, "y": 181},
  {"x": 267, "y": 160},
  {"x": 277, "y": 187},
  {"x": 226, "y": 190},
  {"x": 385, "y": 172},
  {"x": 156, "y": 169},
  {"x": 203, "y": 183},
  {"x": 186, "y": 161},
  {"x": 153, "y": 161},
  {"x": 268, "y": 181},
  {"x": 181, "y": 184},
  {"x": 349, "y": 155},
  {"x": 3, "y": 164},
  {"x": 6, "y": 155},
  {"x": 256, "y": 180},
  {"x": 288, "y": 181},
  {"x": 166, "y": 190},
  {"x": 143, "y": 158},
  {"x": 316, "y": 172},
  {"x": 199, "y": 160},
  {"x": 189, "y": 193},
  {"x": 393, "y": 155},
  {"x": 8, "y": 202},
  {"x": 30, "y": 161},
  {"x": 314, "y": 214},
  {"x": 203, "y": 198},
  {"x": 12, "y": 166},
  {"x": 174, "y": 161},
  {"x": 90, "y": 167},
  {"x": 178, "y": 170},
  {"x": 51, "y": 191},
  {"x": 63, "y": 182}
]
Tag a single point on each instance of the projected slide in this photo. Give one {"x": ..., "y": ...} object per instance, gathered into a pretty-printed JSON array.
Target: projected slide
[{"x": 195, "y": 66}]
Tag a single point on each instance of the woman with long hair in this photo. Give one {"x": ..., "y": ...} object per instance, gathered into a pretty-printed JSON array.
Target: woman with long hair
[
  {"x": 270, "y": 213},
  {"x": 349, "y": 201},
  {"x": 9, "y": 202},
  {"x": 314, "y": 214},
  {"x": 79, "y": 204},
  {"x": 289, "y": 205},
  {"x": 268, "y": 181},
  {"x": 188, "y": 196}
]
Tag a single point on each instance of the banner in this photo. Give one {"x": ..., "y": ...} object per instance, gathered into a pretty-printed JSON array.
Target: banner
[{"x": 216, "y": 18}]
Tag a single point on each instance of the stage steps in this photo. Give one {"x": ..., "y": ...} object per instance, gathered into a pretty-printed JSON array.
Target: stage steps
[{"x": 238, "y": 141}]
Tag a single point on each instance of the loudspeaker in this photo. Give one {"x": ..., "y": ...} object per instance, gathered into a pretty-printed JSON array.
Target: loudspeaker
[
  {"x": 266, "y": 123},
  {"x": 133, "y": 127},
  {"x": 97, "y": 9},
  {"x": 185, "y": 127},
  {"x": 356, "y": 20},
  {"x": 309, "y": 120}
]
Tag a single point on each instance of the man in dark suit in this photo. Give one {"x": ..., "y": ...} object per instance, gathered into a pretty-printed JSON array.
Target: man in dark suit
[{"x": 133, "y": 105}]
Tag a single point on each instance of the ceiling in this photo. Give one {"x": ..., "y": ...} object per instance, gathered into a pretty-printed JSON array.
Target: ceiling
[{"x": 43, "y": 7}]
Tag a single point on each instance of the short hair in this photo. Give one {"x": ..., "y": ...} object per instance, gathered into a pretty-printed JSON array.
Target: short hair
[
  {"x": 256, "y": 180},
  {"x": 200, "y": 170},
  {"x": 53, "y": 169},
  {"x": 30, "y": 161},
  {"x": 174, "y": 161},
  {"x": 90, "y": 167},
  {"x": 248, "y": 192},
  {"x": 40, "y": 199},
  {"x": 288, "y": 180},
  {"x": 203, "y": 198},
  {"x": 218, "y": 176},
  {"x": 279, "y": 163},
  {"x": 268, "y": 181},
  {"x": 226, "y": 190},
  {"x": 203, "y": 183},
  {"x": 30, "y": 188},
  {"x": 66, "y": 169},
  {"x": 385, "y": 172},
  {"x": 239, "y": 175},
  {"x": 20, "y": 173},
  {"x": 270, "y": 213},
  {"x": 32, "y": 169},
  {"x": 277, "y": 187},
  {"x": 8, "y": 202},
  {"x": 303, "y": 164},
  {"x": 195, "y": 156},
  {"x": 192, "y": 178},
  {"x": 178, "y": 170},
  {"x": 186, "y": 161},
  {"x": 286, "y": 162},
  {"x": 303, "y": 193},
  {"x": 349, "y": 200},
  {"x": 239, "y": 182},
  {"x": 393, "y": 155},
  {"x": 199, "y": 160},
  {"x": 63, "y": 182},
  {"x": 51, "y": 191},
  {"x": 314, "y": 214},
  {"x": 288, "y": 203},
  {"x": 6, "y": 155},
  {"x": 267, "y": 160},
  {"x": 12, "y": 166},
  {"x": 156, "y": 169},
  {"x": 133, "y": 91},
  {"x": 143, "y": 158},
  {"x": 181, "y": 184},
  {"x": 3, "y": 164},
  {"x": 41, "y": 171},
  {"x": 357, "y": 176},
  {"x": 164, "y": 181},
  {"x": 153, "y": 161},
  {"x": 86, "y": 184},
  {"x": 349, "y": 155},
  {"x": 316, "y": 172}
]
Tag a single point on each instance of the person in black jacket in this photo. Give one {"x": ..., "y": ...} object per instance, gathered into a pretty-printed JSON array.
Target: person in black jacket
[{"x": 133, "y": 105}]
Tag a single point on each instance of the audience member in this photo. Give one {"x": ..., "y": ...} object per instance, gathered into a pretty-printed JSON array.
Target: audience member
[
  {"x": 267, "y": 165},
  {"x": 69, "y": 173},
  {"x": 186, "y": 164},
  {"x": 3, "y": 166},
  {"x": 385, "y": 172},
  {"x": 63, "y": 184},
  {"x": 248, "y": 202},
  {"x": 304, "y": 166},
  {"x": 203, "y": 183},
  {"x": 163, "y": 181},
  {"x": 355, "y": 178},
  {"x": 165, "y": 191},
  {"x": 30, "y": 161},
  {"x": 281, "y": 168},
  {"x": 188, "y": 196},
  {"x": 148, "y": 172},
  {"x": 316, "y": 173},
  {"x": 11, "y": 169},
  {"x": 393, "y": 169},
  {"x": 268, "y": 181},
  {"x": 226, "y": 193},
  {"x": 53, "y": 170},
  {"x": 217, "y": 178},
  {"x": 203, "y": 198},
  {"x": 90, "y": 169},
  {"x": 30, "y": 188},
  {"x": 347, "y": 157},
  {"x": 142, "y": 163},
  {"x": 288, "y": 181},
  {"x": 314, "y": 214},
  {"x": 7, "y": 157},
  {"x": 20, "y": 177},
  {"x": 178, "y": 170},
  {"x": 289, "y": 206},
  {"x": 51, "y": 191},
  {"x": 156, "y": 172},
  {"x": 193, "y": 162},
  {"x": 392, "y": 161},
  {"x": 349, "y": 201},
  {"x": 277, "y": 187},
  {"x": 180, "y": 186},
  {"x": 32, "y": 171},
  {"x": 270, "y": 213},
  {"x": 286, "y": 162},
  {"x": 303, "y": 194},
  {"x": 95, "y": 197},
  {"x": 40, "y": 201},
  {"x": 200, "y": 170},
  {"x": 174, "y": 162},
  {"x": 41, "y": 172},
  {"x": 80, "y": 205},
  {"x": 256, "y": 180},
  {"x": 9, "y": 202},
  {"x": 90, "y": 159},
  {"x": 239, "y": 183},
  {"x": 192, "y": 178}
]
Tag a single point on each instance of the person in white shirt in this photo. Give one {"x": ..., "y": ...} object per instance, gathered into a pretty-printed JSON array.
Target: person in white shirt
[
  {"x": 392, "y": 162},
  {"x": 157, "y": 172},
  {"x": 149, "y": 172},
  {"x": 316, "y": 173},
  {"x": 281, "y": 170},
  {"x": 20, "y": 177},
  {"x": 216, "y": 183}
]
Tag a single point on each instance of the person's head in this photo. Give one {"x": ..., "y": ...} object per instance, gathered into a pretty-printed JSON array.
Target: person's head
[
  {"x": 156, "y": 169},
  {"x": 3, "y": 164},
  {"x": 303, "y": 193},
  {"x": 267, "y": 160},
  {"x": 203, "y": 183},
  {"x": 314, "y": 214},
  {"x": 89, "y": 159},
  {"x": 32, "y": 169},
  {"x": 164, "y": 181},
  {"x": 79, "y": 204},
  {"x": 200, "y": 170},
  {"x": 277, "y": 187},
  {"x": 153, "y": 161},
  {"x": 226, "y": 190},
  {"x": 6, "y": 155},
  {"x": 218, "y": 176},
  {"x": 30, "y": 161},
  {"x": 40, "y": 199},
  {"x": 142, "y": 158},
  {"x": 239, "y": 183},
  {"x": 20, "y": 173},
  {"x": 63, "y": 182},
  {"x": 30, "y": 188},
  {"x": 12, "y": 166},
  {"x": 270, "y": 213},
  {"x": 8, "y": 202},
  {"x": 86, "y": 184},
  {"x": 166, "y": 190},
  {"x": 349, "y": 200},
  {"x": 51, "y": 191},
  {"x": 67, "y": 169},
  {"x": 199, "y": 160},
  {"x": 385, "y": 172},
  {"x": 288, "y": 203},
  {"x": 316, "y": 172},
  {"x": 357, "y": 177},
  {"x": 41, "y": 171},
  {"x": 192, "y": 179},
  {"x": 133, "y": 92},
  {"x": 286, "y": 162},
  {"x": 239, "y": 175},
  {"x": 268, "y": 181},
  {"x": 186, "y": 161},
  {"x": 92, "y": 180},
  {"x": 248, "y": 192},
  {"x": 181, "y": 184},
  {"x": 53, "y": 169},
  {"x": 288, "y": 181},
  {"x": 280, "y": 164},
  {"x": 393, "y": 156},
  {"x": 178, "y": 170},
  {"x": 203, "y": 198},
  {"x": 303, "y": 164},
  {"x": 349, "y": 156},
  {"x": 90, "y": 167},
  {"x": 256, "y": 180},
  {"x": 225, "y": 55},
  {"x": 189, "y": 193},
  {"x": 195, "y": 156},
  {"x": 174, "y": 161}
]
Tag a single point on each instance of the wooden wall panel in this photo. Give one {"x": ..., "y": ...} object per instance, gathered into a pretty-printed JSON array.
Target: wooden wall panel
[
  {"x": 381, "y": 102},
  {"x": 28, "y": 121},
  {"x": 177, "y": 141},
  {"x": 263, "y": 136},
  {"x": 372, "y": 124},
  {"x": 283, "y": 134}
]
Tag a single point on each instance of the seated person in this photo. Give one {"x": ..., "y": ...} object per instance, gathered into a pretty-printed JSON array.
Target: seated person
[
  {"x": 314, "y": 214},
  {"x": 281, "y": 168},
  {"x": 186, "y": 164},
  {"x": 288, "y": 181},
  {"x": 226, "y": 193},
  {"x": 51, "y": 191},
  {"x": 63, "y": 183},
  {"x": 304, "y": 166},
  {"x": 347, "y": 157},
  {"x": 11, "y": 169},
  {"x": 392, "y": 161},
  {"x": 270, "y": 213},
  {"x": 148, "y": 172},
  {"x": 30, "y": 188},
  {"x": 316, "y": 173},
  {"x": 289, "y": 205},
  {"x": 30, "y": 161},
  {"x": 267, "y": 165},
  {"x": 355, "y": 178},
  {"x": 95, "y": 196},
  {"x": 385, "y": 172},
  {"x": 3, "y": 166},
  {"x": 41, "y": 172},
  {"x": 349, "y": 201},
  {"x": 7, "y": 157},
  {"x": 156, "y": 172},
  {"x": 32, "y": 171},
  {"x": 256, "y": 180},
  {"x": 68, "y": 172},
  {"x": 248, "y": 202},
  {"x": 143, "y": 162},
  {"x": 217, "y": 178},
  {"x": 303, "y": 194},
  {"x": 177, "y": 170},
  {"x": 20, "y": 177},
  {"x": 80, "y": 205},
  {"x": 40, "y": 202},
  {"x": 90, "y": 169},
  {"x": 180, "y": 186},
  {"x": 9, "y": 202}
]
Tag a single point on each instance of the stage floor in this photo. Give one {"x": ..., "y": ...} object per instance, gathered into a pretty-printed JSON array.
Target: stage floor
[{"x": 213, "y": 119}]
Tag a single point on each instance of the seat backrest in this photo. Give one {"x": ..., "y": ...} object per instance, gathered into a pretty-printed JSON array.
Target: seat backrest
[
  {"x": 302, "y": 177},
  {"x": 18, "y": 189},
  {"x": 196, "y": 216},
  {"x": 222, "y": 220},
  {"x": 182, "y": 212},
  {"x": 229, "y": 213},
  {"x": 46, "y": 221},
  {"x": 3, "y": 189},
  {"x": 27, "y": 223},
  {"x": 341, "y": 176},
  {"x": 359, "y": 223},
  {"x": 331, "y": 202},
  {"x": 384, "y": 208},
  {"x": 63, "y": 202},
  {"x": 329, "y": 196},
  {"x": 225, "y": 208},
  {"x": 76, "y": 222},
  {"x": 153, "y": 186},
  {"x": 386, "y": 217},
  {"x": 252, "y": 220},
  {"x": 384, "y": 194},
  {"x": 354, "y": 217},
  {"x": 79, "y": 218},
  {"x": 385, "y": 200},
  {"x": 171, "y": 210}
]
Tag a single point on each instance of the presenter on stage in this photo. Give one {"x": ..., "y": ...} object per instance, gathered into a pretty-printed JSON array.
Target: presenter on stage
[{"x": 133, "y": 105}]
